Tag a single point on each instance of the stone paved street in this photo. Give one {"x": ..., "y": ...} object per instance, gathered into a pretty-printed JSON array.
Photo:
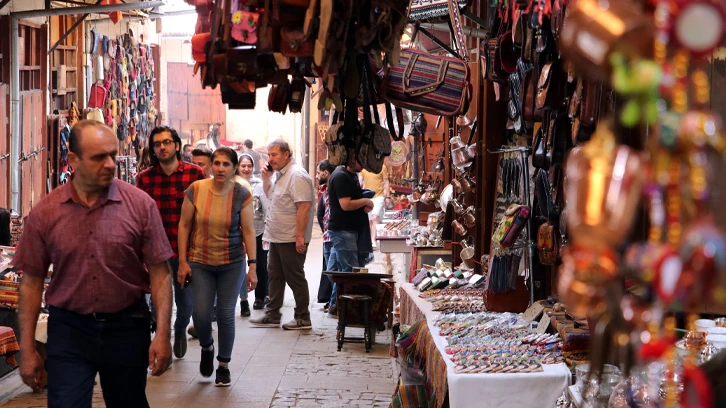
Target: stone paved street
[{"x": 271, "y": 367}]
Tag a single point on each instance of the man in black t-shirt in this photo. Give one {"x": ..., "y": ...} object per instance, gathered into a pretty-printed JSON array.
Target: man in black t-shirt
[{"x": 348, "y": 217}]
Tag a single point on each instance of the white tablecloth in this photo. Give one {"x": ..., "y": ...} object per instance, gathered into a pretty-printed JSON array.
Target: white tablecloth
[{"x": 496, "y": 390}]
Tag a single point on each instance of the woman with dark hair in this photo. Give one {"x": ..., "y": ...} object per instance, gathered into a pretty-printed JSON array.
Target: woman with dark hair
[
  {"x": 216, "y": 219},
  {"x": 260, "y": 204}
]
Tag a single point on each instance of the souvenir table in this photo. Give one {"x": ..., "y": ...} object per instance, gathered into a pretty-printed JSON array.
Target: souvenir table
[{"x": 489, "y": 390}]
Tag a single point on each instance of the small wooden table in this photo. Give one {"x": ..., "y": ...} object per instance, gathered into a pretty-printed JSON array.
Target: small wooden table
[{"x": 370, "y": 284}]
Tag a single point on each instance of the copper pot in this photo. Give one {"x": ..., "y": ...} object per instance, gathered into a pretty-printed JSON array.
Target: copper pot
[
  {"x": 603, "y": 187},
  {"x": 430, "y": 197},
  {"x": 470, "y": 217},
  {"x": 471, "y": 150},
  {"x": 468, "y": 185},
  {"x": 458, "y": 227},
  {"x": 457, "y": 184},
  {"x": 458, "y": 207},
  {"x": 597, "y": 28},
  {"x": 467, "y": 256},
  {"x": 460, "y": 157}
]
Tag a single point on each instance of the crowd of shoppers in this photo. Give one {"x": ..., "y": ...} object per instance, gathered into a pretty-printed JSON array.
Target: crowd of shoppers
[{"x": 201, "y": 222}]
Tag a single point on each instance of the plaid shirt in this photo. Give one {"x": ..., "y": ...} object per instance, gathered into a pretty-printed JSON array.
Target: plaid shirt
[
  {"x": 323, "y": 195},
  {"x": 168, "y": 192}
]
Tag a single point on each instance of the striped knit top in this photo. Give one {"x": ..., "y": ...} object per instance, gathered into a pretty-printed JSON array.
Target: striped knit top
[{"x": 216, "y": 236}]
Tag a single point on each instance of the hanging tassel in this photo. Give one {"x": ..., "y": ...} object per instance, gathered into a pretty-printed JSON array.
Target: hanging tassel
[{"x": 547, "y": 9}]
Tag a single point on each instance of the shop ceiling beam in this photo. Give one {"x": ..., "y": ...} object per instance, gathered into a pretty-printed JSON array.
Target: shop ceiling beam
[
  {"x": 15, "y": 75},
  {"x": 4, "y": 3},
  {"x": 70, "y": 30},
  {"x": 67, "y": 11},
  {"x": 79, "y": 3}
]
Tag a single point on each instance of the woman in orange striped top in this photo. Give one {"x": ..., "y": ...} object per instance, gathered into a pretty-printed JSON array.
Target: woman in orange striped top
[{"x": 216, "y": 226}]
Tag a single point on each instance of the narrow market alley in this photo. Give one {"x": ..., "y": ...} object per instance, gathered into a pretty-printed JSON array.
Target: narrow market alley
[{"x": 271, "y": 367}]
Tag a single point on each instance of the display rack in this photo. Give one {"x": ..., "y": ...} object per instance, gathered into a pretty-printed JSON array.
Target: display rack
[{"x": 529, "y": 243}]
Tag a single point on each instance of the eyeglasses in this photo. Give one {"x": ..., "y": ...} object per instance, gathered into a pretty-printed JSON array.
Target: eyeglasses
[{"x": 166, "y": 142}]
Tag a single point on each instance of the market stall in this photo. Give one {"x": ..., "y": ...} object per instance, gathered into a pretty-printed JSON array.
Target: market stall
[{"x": 485, "y": 389}]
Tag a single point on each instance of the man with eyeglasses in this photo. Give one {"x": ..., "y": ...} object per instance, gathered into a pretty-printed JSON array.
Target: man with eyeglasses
[{"x": 166, "y": 181}]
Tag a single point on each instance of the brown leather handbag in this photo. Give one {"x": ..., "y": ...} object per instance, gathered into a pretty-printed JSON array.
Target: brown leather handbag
[
  {"x": 278, "y": 98},
  {"x": 529, "y": 105},
  {"x": 295, "y": 44},
  {"x": 548, "y": 87},
  {"x": 548, "y": 244}
]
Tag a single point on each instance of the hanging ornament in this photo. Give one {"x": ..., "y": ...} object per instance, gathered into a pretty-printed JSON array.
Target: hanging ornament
[{"x": 698, "y": 26}]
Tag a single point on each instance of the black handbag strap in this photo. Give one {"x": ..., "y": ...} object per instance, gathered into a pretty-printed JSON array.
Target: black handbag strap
[{"x": 397, "y": 136}]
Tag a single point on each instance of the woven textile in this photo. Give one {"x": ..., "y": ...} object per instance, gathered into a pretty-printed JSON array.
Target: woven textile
[
  {"x": 410, "y": 313},
  {"x": 8, "y": 345},
  {"x": 428, "y": 9},
  {"x": 418, "y": 349}
]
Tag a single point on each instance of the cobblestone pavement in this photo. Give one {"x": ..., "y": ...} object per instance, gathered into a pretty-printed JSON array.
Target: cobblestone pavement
[
  {"x": 329, "y": 398},
  {"x": 270, "y": 367}
]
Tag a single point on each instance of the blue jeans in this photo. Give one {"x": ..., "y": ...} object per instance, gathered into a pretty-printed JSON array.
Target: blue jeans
[
  {"x": 183, "y": 298},
  {"x": 343, "y": 255},
  {"x": 243, "y": 282},
  {"x": 223, "y": 282},
  {"x": 80, "y": 346}
]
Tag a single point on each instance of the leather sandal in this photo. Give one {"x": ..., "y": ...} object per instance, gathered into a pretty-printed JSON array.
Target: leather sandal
[{"x": 326, "y": 14}]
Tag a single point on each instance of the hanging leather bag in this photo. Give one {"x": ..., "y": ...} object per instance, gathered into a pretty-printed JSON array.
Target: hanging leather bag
[
  {"x": 376, "y": 140},
  {"x": 97, "y": 98}
]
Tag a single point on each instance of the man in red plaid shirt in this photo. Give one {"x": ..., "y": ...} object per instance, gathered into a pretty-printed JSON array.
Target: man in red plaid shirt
[{"x": 166, "y": 181}]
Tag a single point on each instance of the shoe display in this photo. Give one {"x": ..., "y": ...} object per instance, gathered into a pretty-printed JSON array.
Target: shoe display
[
  {"x": 224, "y": 378},
  {"x": 258, "y": 305},
  {"x": 244, "y": 308},
  {"x": 180, "y": 344},
  {"x": 298, "y": 324},
  {"x": 192, "y": 332},
  {"x": 265, "y": 321},
  {"x": 206, "y": 366}
]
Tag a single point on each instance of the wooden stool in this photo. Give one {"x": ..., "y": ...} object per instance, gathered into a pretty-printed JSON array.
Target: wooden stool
[{"x": 346, "y": 301}]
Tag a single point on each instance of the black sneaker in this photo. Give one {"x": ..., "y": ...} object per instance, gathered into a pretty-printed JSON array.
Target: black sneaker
[
  {"x": 180, "y": 344},
  {"x": 258, "y": 305},
  {"x": 206, "y": 366},
  {"x": 266, "y": 302},
  {"x": 224, "y": 379},
  {"x": 245, "y": 308}
]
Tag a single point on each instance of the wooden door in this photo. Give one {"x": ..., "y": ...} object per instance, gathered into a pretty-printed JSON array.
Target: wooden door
[
  {"x": 33, "y": 154},
  {"x": 4, "y": 149}
]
